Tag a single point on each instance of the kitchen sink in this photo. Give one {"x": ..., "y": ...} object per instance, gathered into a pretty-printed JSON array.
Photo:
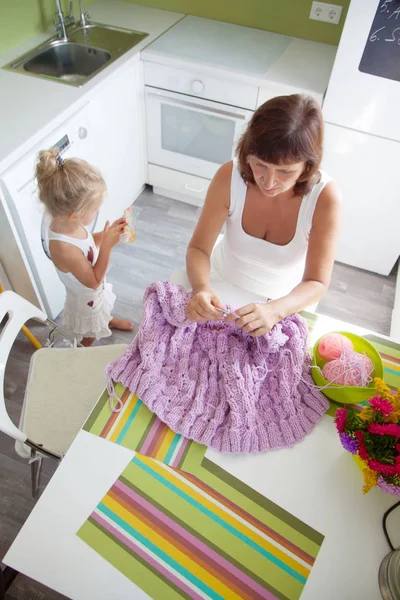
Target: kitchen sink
[
  {"x": 87, "y": 51},
  {"x": 68, "y": 61}
]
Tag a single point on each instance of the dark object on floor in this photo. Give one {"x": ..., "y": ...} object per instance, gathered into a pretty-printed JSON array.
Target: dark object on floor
[
  {"x": 389, "y": 571},
  {"x": 7, "y": 576}
]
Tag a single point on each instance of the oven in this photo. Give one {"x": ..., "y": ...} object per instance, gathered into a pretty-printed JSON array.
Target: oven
[
  {"x": 193, "y": 121},
  {"x": 191, "y": 134}
]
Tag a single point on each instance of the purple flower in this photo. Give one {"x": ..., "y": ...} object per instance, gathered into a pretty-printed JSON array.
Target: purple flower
[
  {"x": 348, "y": 443},
  {"x": 388, "y": 487}
]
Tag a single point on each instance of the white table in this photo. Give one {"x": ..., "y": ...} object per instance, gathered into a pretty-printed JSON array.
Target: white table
[{"x": 316, "y": 481}]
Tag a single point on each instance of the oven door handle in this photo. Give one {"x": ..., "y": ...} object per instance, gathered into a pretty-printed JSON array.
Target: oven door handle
[{"x": 209, "y": 109}]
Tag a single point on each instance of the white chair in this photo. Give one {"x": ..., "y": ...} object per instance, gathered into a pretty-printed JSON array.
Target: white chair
[{"x": 62, "y": 388}]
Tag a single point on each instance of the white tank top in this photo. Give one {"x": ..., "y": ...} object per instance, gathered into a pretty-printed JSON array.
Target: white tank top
[
  {"x": 90, "y": 251},
  {"x": 87, "y": 312},
  {"x": 256, "y": 265}
]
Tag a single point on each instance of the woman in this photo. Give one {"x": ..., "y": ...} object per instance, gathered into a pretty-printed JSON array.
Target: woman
[{"x": 281, "y": 214}]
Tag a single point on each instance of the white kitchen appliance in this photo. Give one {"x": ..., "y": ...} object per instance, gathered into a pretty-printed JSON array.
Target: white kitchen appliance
[
  {"x": 192, "y": 123},
  {"x": 31, "y": 272},
  {"x": 362, "y": 140},
  {"x": 191, "y": 134}
]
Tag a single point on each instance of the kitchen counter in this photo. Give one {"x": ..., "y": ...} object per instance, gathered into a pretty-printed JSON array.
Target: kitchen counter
[
  {"x": 252, "y": 55},
  {"x": 29, "y": 105}
]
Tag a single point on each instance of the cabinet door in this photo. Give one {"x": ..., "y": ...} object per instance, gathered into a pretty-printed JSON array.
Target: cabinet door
[
  {"x": 366, "y": 169},
  {"x": 117, "y": 141},
  {"x": 24, "y": 228}
]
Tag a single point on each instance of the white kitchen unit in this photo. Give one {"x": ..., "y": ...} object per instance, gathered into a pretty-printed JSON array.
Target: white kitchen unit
[
  {"x": 29, "y": 106},
  {"x": 36, "y": 276},
  {"x": 116, "y": 119},
  {"x": 106, "y": 132},
  {"x": 102, "y": 122},
  {"x": 363, "y": 165},
  {"x": 194, "y": 131},
  {"x": 303, "y": 68},
  {"x": 362, "y": 147},
  {"x": 203, "y": 81}
]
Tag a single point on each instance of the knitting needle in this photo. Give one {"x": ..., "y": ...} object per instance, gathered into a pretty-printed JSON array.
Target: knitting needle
[{"x": 226, "y": 312}]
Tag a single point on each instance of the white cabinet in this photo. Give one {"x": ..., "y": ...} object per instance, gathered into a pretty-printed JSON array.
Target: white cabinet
[
  {"x": 107, "y": 132},
  {"x": 30, "y": 271},
  {"x": 117, "y": 143},
  {"x": 366, "y": 169},
  {"x": 180, "y": 186}
]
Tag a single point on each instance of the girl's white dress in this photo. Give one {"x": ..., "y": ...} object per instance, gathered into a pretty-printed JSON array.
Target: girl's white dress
[{"x": 87, "y": 312}]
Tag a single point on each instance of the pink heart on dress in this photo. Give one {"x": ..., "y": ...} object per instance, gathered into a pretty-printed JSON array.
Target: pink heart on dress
[{"x": 90, "y": 304}]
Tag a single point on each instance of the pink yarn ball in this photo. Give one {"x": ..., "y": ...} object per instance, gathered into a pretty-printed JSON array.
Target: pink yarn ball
[
  {"x": 352, "y": 368},
  {"x": 332, "y": 345},
  {"x": 368, "y": 364}
]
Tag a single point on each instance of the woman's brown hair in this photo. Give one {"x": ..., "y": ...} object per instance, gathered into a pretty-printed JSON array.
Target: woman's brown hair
[{"x": 285, "y": 130}]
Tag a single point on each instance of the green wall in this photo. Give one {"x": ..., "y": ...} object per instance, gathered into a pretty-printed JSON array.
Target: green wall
[
  {"x": 282, "y": 16},
  {"x": 23, "y": 19}
]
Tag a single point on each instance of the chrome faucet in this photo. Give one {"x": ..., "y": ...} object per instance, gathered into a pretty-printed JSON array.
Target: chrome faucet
[
  {"x": 84, "y": 15},
  {"x": 61, "y": 22}
]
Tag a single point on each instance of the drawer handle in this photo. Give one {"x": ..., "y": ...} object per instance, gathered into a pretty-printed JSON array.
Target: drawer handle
[
  {"x": 165, "y": 97},
  {"x": 192, "y": 189},
  {"x": 197, "y": 86}
]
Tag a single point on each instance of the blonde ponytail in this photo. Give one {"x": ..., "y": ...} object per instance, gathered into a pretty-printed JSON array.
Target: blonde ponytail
[{"x": 70, "y": 186}]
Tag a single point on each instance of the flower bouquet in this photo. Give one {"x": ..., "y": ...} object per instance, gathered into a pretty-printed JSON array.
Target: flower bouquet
[{"x": 374, "y": 436}]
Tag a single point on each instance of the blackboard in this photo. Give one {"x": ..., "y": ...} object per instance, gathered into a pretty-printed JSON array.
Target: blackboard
[{"x": 381, "y": 54}]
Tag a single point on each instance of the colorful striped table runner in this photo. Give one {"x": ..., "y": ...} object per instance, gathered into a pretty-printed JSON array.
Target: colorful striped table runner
[{"x": 206, "y": 536}]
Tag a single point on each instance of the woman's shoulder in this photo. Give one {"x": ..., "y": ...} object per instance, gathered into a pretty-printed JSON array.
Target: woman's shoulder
[
  {"x": 329, "y": 188},
  {"x": 221, "y": 183},
  {"x": 325, "y": 190},
  {"x": 228, "y": 177},
  {"x": 329, "y": 199},
  {"x": 223, "y": 175}
]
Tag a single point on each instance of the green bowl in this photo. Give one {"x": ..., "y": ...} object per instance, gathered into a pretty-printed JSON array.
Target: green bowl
[{"x": 348, "y": 394}]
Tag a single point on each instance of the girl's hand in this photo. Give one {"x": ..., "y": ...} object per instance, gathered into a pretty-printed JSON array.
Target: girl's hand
[
  {"x": 256, "y": 319},
  {"x": 112, "y": 233},
  {"x": 201, "y": 307},
  {"x": 119, "y": 222}
]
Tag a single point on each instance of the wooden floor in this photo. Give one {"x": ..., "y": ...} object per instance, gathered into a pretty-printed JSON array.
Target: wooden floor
[{"x": 164, "y": 228}]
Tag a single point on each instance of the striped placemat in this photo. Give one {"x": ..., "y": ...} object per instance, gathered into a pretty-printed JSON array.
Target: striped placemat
[
  {"x": 137, "y": 428},
  {"x": 205, "y": 536}
]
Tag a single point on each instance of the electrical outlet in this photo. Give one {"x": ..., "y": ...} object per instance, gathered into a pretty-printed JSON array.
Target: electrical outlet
[{"x": 329, "y": 13}]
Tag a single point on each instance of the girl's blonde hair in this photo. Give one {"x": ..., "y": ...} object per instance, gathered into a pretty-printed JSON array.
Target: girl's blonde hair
[{"x": 70, "y": 186}]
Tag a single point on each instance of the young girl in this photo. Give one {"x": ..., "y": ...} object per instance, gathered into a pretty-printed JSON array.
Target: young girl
[{"x": 72, "y": 192}]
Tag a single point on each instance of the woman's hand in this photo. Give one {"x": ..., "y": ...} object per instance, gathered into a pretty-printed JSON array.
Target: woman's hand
[
  {"x": 112, "y": 233},
  {"x": 256, "y": 319},
  {"x": 201, "y": 307}
]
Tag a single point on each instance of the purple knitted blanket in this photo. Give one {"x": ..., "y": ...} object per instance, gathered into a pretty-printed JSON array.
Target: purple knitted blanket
[{"x": 216, "y": 385}]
